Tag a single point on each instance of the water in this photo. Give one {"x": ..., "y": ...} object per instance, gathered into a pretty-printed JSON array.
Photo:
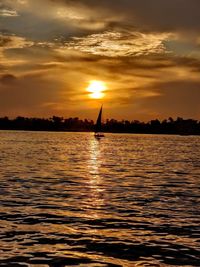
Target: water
[{"x": 68, "y": 199}]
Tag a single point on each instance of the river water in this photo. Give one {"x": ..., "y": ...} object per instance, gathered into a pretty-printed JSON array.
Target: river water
[{"x": 67, "y": 199}]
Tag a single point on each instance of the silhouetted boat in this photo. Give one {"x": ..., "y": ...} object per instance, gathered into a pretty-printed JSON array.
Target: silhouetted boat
[{"x": 98, "y": 127}]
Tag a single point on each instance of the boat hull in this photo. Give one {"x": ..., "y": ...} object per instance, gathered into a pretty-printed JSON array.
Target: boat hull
[{"x": 99, "y": 135}]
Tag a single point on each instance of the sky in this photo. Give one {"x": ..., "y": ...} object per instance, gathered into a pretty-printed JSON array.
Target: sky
[{"x": 145, "y": 52}]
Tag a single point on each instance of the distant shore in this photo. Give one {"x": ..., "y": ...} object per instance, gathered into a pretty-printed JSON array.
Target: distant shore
[{"x": 59, "y": 124}]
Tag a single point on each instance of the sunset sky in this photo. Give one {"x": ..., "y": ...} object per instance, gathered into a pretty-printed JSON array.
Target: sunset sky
[{"x": 145, "y": 53}]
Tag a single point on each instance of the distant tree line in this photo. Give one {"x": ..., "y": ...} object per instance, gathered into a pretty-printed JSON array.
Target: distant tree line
[{"x": 168, "y": 126}]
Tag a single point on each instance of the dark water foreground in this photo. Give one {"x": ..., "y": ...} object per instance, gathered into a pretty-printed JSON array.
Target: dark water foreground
[{"x": 126, "y": 200}]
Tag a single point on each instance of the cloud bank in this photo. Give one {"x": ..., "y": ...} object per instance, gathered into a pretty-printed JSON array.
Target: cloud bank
[{"x": 147, "y": 52}]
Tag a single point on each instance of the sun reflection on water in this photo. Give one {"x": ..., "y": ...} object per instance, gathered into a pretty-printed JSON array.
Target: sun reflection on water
[{"x": 95, "y": 182}]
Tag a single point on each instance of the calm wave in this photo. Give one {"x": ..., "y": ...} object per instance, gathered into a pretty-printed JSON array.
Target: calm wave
[{"x": 68, "y": 199}]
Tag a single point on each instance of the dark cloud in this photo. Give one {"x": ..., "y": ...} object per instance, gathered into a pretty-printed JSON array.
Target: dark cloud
[
  {"x": 143, "y": 66},
  {"x": 151, "y": 15},
  {"x": 36, "y": 29},
  {"x": 7, "y": 79},
  {"x": 40, "y": 21},
  {"x": 4, "y": 40}
]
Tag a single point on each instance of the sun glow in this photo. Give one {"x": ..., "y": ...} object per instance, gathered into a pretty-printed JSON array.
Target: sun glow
[{"x": 96, "y": 89}]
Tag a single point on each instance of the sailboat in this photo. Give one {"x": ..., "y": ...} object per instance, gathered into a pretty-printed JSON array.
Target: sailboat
[{"x": 98, "y": 127}]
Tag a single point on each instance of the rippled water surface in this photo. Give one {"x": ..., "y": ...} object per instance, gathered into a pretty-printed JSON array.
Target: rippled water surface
[{"x": 68, "y": 199}]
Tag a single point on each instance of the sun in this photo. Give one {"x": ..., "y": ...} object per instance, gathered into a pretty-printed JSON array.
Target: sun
[{"x": 96, "y": 89}]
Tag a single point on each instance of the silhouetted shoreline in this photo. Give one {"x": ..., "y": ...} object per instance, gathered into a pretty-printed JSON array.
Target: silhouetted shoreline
[{"x": 168, "y": 126}]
